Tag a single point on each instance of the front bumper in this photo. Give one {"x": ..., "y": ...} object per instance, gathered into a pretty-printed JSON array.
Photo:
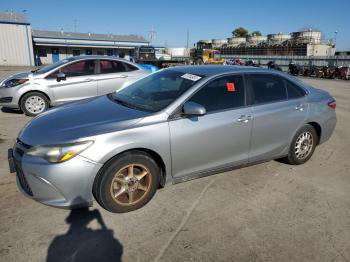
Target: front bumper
[
  {"x": 8, "y": 97},
  {"x": 64, "y": 185}
]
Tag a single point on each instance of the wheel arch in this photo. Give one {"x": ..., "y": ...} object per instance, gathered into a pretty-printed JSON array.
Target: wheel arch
[
  {"x": 317, "y": 128},
  {"x": 159, "y": 160},
  {"x": 33, "y": 91}
]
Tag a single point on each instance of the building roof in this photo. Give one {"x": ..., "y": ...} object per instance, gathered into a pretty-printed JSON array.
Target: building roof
[
  {"x": 13, "y": 18},
  {"x": 87, "y": 36}
]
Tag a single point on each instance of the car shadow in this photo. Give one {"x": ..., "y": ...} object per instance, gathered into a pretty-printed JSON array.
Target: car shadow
[
  {"x": 11, "y": 110},
  {"x": 81, "y": 243}
]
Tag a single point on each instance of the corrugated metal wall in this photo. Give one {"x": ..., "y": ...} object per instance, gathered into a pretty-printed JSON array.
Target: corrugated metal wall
[{"x": 16, "y": 47}]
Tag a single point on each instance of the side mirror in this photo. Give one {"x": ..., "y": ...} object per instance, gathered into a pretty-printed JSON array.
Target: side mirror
[
  {"x": 193, "y": 109},
  {"x": 61, "y": 76}
]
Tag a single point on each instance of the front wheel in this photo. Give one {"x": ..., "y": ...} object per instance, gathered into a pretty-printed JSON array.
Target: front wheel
[
  {"x": 34, "y": 103},
  {"x": 303, "y": 146},
  {"x": 127, "y": 182}
]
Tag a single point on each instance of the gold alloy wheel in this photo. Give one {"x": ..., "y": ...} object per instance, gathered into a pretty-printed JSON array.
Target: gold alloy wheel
[{"x": 131, "y": 184}]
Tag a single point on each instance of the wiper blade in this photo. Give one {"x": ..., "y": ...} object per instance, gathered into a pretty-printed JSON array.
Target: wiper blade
[
  {"x": 124, "y": 103},
  {"x": 129, "y": 105}
]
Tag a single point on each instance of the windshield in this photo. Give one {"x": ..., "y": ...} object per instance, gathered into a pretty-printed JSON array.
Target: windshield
[
  {"x": 155, "y": 92},
  {"x": 48, "y": 68}
]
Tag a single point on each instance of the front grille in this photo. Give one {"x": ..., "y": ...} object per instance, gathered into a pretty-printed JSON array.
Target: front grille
[
  {"x": 6, "y": 100},
  {"x": 21, "y": 178}
]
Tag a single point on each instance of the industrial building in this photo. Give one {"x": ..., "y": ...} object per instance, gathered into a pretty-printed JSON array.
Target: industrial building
[
  {"x": 20, "y": 45},
  {"x": 304, "y": 43},
  {"x": 16, "y": 45}
]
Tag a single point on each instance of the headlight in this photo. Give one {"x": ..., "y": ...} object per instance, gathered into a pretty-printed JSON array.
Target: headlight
[
  {"x": 14, "y": 82},
  {"x": 58, "y": 154}
]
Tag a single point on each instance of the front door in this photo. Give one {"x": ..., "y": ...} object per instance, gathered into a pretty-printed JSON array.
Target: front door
[
  {"x": 81, "y": 82},
  {"x": 217, "y": 140},
  {"x": 55, "y": 55}
]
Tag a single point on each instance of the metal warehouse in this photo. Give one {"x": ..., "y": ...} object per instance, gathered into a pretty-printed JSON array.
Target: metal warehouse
[{"x": 20, "y": 45}]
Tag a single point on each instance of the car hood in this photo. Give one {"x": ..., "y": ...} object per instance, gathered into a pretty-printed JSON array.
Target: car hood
[{"x": 73, "y": 121}]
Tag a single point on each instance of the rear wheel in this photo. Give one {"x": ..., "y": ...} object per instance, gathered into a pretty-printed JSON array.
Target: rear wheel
[
  {"x": 34, "y": 103},
  {"x": 127, "y": 182},
  {"x": 303, "y": 146}
]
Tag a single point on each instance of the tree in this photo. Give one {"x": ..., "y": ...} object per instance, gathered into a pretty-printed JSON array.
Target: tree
[
  {"x": 256, "y": 33},
  {"x": 240, "y": 32}
]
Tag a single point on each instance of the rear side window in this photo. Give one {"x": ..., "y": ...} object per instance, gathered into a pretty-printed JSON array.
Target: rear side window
[
  {"x": 293, "y": 90},
  {"x": 267, "y": 88},
  {"x": 222, "y": 93},
  {"x": 111, "y": 66},
  {"x": 130, "y": 67}
]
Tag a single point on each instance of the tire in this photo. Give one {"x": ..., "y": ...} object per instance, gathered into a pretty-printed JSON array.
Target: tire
[
  {"x": 119, "y": 190},
  {"x": 307, "y": 134},
  {"x": 34, "y": 103}
]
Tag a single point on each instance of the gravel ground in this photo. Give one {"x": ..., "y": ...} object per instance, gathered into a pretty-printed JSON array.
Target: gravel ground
[{"x": 266, "y": 212}]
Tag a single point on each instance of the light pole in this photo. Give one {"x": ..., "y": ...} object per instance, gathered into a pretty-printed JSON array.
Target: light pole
[
  {"x": 335, "y": 42},
  {"x": 335, "y": 36}
]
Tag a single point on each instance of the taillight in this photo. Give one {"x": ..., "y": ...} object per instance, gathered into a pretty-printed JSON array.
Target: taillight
[{"x": 332, "y": 104}]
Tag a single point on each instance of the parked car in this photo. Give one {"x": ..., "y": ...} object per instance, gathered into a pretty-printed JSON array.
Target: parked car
[
  {"x": 70, "y": 79},
  {"x": 174, "y": 125},
  {"x": 148, "y": 67}
]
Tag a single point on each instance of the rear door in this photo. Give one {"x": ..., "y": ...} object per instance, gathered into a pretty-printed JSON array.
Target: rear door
[
  {"x": 114, "y": 74},
  {"x": 218, "y": 139},
  {"x": 279, "y": 109},
  {"x": 80, "y": 81}
]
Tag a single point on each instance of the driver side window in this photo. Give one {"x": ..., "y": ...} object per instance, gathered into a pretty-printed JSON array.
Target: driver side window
[
  {"x": 223, "y": 93},
  {"x": 80, "y": 68}
]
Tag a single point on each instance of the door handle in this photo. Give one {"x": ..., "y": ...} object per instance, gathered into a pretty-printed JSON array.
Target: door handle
[
  {"x": 244, "y": 119},
  {"x": 89, "y": 79},
  {"x": 123, "y": 76},
  {"x": 299, "y": 107}
]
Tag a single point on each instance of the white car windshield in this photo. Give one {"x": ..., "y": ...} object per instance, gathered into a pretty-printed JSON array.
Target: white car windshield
[
  {"x": 48, "y": 68},
  {"x": 156, "y": 91}
]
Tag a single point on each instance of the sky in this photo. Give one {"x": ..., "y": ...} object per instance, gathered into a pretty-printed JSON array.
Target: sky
[{"x": 206, "y": 19}]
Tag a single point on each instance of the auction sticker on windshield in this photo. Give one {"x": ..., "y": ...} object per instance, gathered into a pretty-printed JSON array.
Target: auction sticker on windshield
[{"x": 191, "y": 77}]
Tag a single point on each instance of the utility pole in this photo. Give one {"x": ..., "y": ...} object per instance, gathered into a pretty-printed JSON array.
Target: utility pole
[
  {"x": 335, "y": 37},
  {"x": 152, "y": 35},
  {"x": 187, "y": 41}
]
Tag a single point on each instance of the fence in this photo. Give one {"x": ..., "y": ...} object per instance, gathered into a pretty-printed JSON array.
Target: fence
[{"x": 283, "y": 61}]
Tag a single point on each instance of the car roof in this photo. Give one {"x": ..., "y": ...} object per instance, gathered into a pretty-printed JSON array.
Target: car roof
[
  {"x": 82, "y": 57},
  {"x": 212, "y": 70}
]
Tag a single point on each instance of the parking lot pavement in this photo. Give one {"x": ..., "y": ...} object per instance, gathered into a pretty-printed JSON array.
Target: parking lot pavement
[{"x": 266, "y": 212}]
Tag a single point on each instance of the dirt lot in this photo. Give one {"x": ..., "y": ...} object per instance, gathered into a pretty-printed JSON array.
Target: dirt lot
[{"x": 267, "y": 212}]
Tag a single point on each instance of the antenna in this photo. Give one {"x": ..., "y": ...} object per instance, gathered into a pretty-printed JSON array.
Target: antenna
[{"x": 75, "y": 25}]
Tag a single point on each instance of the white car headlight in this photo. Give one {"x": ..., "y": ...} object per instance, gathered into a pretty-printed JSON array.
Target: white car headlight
[{"x": 59, "y": 153}]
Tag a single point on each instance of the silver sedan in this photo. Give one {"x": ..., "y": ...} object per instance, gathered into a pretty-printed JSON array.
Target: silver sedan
[
  {"x": 171, "y": 126},
  {"x": 67, "y": 80}
]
